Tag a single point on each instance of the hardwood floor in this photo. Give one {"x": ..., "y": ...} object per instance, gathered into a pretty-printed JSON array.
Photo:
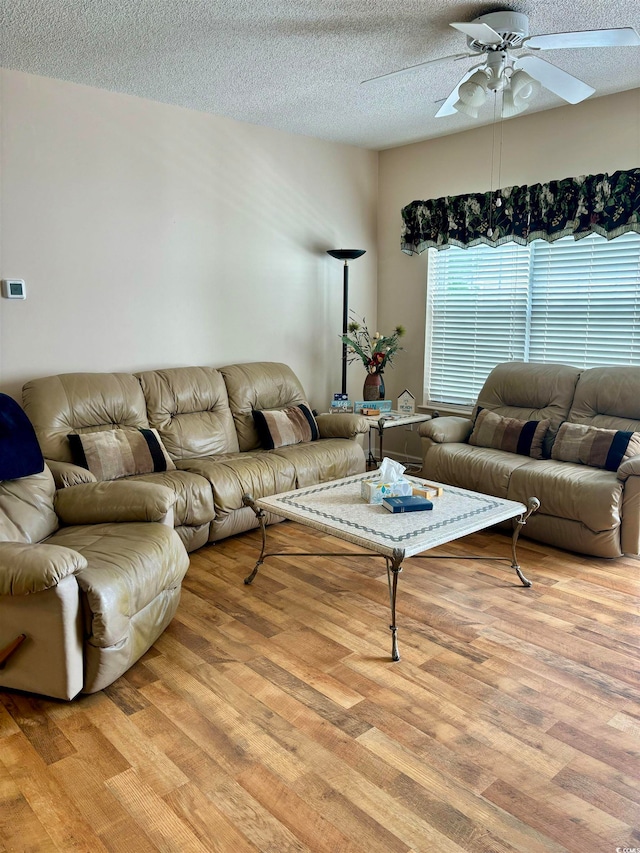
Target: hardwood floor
[{"x": 270, "y": 718}]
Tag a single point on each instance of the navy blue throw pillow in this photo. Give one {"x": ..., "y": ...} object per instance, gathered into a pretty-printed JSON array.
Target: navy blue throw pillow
[{"x": 20, "y": 454}]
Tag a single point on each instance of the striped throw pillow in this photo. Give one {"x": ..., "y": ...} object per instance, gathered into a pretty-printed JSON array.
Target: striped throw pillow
[
  {"x": 282, "y": 427},
  {"x": 599, "y": 448},
  {"x": 111, "y": 454},
  {"x": 510, "y": 434}
]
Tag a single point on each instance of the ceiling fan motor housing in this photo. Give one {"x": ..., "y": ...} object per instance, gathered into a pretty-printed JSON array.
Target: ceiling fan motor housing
[{"x": 512, "y": 26}]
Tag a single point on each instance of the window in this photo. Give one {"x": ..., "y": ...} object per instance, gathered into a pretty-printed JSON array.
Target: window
[{"x": 575, "y": 302}]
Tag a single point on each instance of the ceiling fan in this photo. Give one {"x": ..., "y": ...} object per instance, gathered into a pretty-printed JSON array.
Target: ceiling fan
[{"x": 499, "y": 38}]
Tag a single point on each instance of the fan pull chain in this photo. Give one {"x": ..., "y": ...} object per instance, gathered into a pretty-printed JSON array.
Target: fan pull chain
[
  {"x": 499, "y": 199},
  {"x": 493, "y": 150}
]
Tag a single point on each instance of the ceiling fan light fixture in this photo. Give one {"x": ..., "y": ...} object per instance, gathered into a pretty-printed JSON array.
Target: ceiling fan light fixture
[
  {"x": 509, "y": 106},
  {"x": 521, "y": 90},
  {"x": 523, "y": 86},
  {"x": 467, "y": 109},
  {"x": 473, "y": 92}
]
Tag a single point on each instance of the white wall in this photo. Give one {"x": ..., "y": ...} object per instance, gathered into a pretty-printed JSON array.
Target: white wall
[
  {"x": 600, "y": 135},
  {"x": 150, "y": 236}
]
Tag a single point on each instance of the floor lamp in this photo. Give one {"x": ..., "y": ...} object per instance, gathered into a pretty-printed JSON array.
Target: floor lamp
[{"x": 345, "y": 255}]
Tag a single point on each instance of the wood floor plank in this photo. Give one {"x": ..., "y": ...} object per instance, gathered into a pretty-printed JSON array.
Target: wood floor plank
[
  {"x": 157, "y": 820},
  {"x": 323, "y": 741},
  {"x": 125, "y": 836},
  {"x": 561, "y": 669},
  {"x": 150, "y": 763},
  {"x": 307, "y": 824},
  {"x": 8, "y": 725},
  {"x": 599, "y": 795},
  {"x": 472, "y": 822},
  {"x": 20, "y": 827},
  {"x": 348, "y": 817},
  {"x": 56, "y": 811},
  {"x": 214, "y": 829},
  {"x": 85, "y": 786},
  {"x": 549, "y": 819},
  {"x": 270, "y": 718},
  {"x": 41, "y": 731}
]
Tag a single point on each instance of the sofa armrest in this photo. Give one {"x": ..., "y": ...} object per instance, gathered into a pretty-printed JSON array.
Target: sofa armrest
[
  {"x": 341, "y": 426},
  {"x": 67, "y": 474},
  {"x": 445, "y": 430},
  {"x": 27, "y": 568},
  {"x": 114, "y": 501},
  {"x": 629, "y": 468}
]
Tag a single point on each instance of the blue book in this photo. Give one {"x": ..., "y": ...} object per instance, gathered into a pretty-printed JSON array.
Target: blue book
[{"x": 407, "y": 503}]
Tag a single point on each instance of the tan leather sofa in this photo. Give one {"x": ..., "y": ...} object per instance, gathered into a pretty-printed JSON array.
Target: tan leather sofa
[
  {"x": 582, "y": 508},
  {"x": 89, "y": 577},
  {"x": 204, "y": 418}
]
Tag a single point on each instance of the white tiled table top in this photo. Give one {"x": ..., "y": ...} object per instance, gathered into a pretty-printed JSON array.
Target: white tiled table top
[
  {"x": 402, "y": 420},
  {"x": 337, "y": 508}
]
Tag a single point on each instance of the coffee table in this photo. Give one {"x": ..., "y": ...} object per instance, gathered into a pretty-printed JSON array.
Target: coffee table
[{"x": 337, "y": 508}]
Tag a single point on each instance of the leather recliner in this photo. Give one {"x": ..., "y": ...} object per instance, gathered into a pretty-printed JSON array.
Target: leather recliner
[{"x": 88, "y": 577}]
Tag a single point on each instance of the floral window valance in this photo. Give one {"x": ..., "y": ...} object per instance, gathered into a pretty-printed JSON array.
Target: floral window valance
[{"x": 592, "y": 204}]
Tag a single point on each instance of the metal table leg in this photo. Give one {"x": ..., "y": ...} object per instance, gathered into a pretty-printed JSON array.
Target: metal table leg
[
  {"x": 394, "y": 567},
  {"x": 247, "y": 500},
  {"x": 533, "y": 504},
  {"x": 380, "y": 436}
]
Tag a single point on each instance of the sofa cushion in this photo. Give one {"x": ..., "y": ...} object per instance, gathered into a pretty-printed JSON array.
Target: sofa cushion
[
  {"x": 194, "y": 501},
  {"x": 111, "y": 454},
  {"x": 26, "y": 508},
  {"x": 531, "y": 392},
  {"x": 259, "y": 385},
  {"x": 129, "y": 565},
  {"x": 190, "y": 409},
  {"x": 281, "y": 427},
  {"x": 480, "y": 469},
  {"x": 510, "y": 434},
  {"x": 600, "y": 448},
  {"x": 258, "y": 473},
  {"x": 81, "y": 402},
  {"x": 608, "y": 397},
  {"x": 322, "y": 461},
  {"x": 568, "y": 490}
]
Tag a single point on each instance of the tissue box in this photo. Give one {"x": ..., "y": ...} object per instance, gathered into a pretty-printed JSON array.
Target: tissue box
[{"x": 374, "y": 491}]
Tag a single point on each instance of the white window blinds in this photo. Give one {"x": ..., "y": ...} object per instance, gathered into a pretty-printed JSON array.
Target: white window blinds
[
  {"x": 585, "y": 306},
  {"x": 571, "y": 302}
]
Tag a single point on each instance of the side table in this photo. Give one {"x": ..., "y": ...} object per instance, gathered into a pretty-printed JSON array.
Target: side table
[{"x": 380, "y": 423}]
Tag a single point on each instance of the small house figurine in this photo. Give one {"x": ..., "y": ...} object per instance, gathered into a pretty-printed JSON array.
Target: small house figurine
[{"x": 406, "y": 403}]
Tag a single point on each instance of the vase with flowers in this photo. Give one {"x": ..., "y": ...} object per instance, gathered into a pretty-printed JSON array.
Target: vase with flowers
[{"x": 375, "y": 351}]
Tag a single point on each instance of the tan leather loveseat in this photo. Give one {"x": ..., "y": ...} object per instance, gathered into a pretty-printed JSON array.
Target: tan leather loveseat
[
  {"x": 203, "y": 416},
  {"x": 583, "y": 508}
]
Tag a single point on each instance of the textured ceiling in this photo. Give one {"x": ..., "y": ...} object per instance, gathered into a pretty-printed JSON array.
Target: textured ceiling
[{"x": 297, "y": 65}]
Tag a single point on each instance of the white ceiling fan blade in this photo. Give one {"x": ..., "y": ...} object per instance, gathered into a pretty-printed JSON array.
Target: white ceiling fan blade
[
  {"x": 410, "y": 68},
  {"x": 555, "y": 79},
  {"x": 479, "y": 32},
  {"x": 620, "y": 37},
  {"x": 447, "y": 107}
]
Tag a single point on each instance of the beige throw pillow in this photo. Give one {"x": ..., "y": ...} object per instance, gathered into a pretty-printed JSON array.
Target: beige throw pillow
[
  {"x": 510, "y": 434},
  {"x": 594, "y": 446},
  {"x": 111, "y": 454}
]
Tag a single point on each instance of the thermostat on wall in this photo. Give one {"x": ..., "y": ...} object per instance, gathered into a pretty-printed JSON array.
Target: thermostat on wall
[{"x": 13, "y": 288}]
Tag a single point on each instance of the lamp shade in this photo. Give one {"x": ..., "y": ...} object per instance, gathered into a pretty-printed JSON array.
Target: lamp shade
[
  {"x": 346, "y": 254},
  {"x": 461, "y": 107},
  {"x": 523, "y": 86},
  {"x": 473, "y": 91}
]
